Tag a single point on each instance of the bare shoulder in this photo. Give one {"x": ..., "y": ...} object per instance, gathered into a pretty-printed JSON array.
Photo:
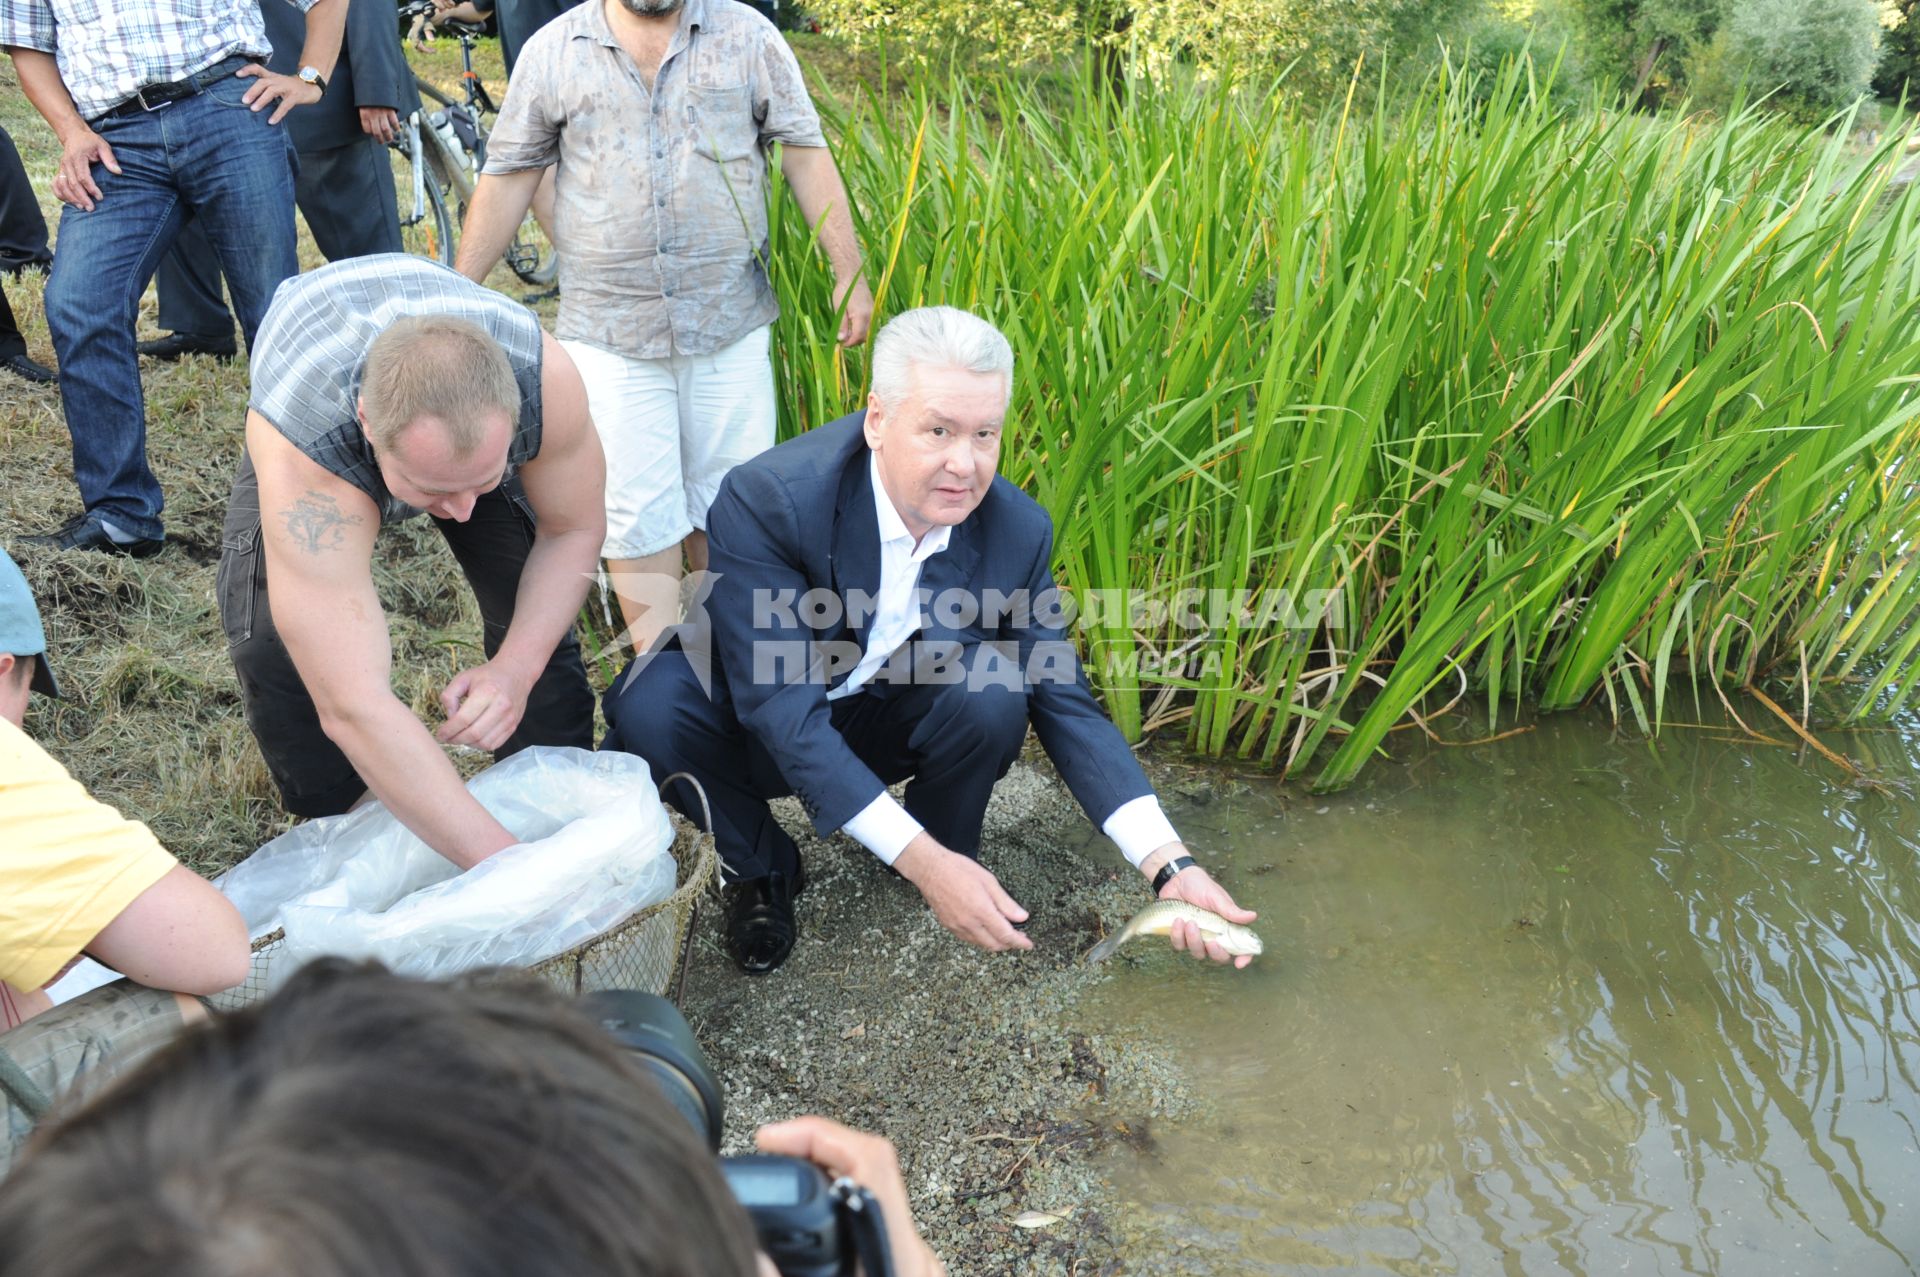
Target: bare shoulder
[
  {"x": 305, "y": 508},
  {"x": 566, "y": 480},
  {"x": 564, "y": 420}
]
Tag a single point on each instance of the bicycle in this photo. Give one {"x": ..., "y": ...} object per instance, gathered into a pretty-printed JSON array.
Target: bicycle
[
  {"x": 437, "y": 159},
  {"x": 421, "y": 188}
]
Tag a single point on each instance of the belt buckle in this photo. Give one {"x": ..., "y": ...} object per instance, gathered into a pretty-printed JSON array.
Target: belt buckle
[{"x": 140, "y": 96}]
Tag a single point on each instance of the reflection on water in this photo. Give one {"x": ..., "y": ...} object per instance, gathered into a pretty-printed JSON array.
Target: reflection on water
[{"x": 1563, "y": 1004}]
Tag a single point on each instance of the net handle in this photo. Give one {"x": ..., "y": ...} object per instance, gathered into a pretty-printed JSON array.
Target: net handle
[
  {"x": 700, "y": 792},
  {"x": 693, "y": 905}
]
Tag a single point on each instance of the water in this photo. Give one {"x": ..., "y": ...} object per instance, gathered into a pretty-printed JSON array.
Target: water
[{"x": 1560, "y": 1004}]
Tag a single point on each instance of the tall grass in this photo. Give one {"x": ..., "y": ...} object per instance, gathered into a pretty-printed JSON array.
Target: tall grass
[{"x": 1560, "y": 405}]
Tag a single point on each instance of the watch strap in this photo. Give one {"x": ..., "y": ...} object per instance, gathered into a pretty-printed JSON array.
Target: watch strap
[
  {"x": 312, "y": 76},
  {"x": 1168, "y": 870}
]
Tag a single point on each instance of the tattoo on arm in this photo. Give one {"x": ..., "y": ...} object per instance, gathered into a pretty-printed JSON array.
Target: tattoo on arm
[{"x": 315, "y": 522}]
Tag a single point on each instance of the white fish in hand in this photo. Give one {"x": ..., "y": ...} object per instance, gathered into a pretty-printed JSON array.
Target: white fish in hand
[{"x": 1157, "y": 919}]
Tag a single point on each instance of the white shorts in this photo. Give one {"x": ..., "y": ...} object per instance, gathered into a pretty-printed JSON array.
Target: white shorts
[{"x": 671, "y": 429}]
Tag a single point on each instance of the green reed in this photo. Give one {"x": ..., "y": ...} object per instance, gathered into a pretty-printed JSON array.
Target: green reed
[{"x": 1555, "y": 404}]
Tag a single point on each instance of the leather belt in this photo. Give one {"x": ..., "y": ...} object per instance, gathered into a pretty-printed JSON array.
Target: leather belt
[{"x": 152, "y": 97}]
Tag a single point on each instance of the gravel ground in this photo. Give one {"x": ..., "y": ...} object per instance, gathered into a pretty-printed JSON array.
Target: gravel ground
[{"x": 968, "y": 1061}]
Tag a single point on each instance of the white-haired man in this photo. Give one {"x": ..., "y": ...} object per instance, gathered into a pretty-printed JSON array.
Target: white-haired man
[
  {"x": 883, "y": 609},
  {"x": 386, "y": 387}
]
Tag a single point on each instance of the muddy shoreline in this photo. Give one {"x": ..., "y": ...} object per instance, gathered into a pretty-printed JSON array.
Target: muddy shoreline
[{"x": 972, "y": 1063}]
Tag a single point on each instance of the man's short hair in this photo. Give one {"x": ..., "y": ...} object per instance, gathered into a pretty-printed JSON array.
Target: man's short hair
[
  {"x": 436, "y": 366},
  {"x": 357, "y": 1122},
  {"x": 936, "y": 337}
]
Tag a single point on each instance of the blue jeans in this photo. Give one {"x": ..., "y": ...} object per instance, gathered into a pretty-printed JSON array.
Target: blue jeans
[
  {"x": 209, "y": 157},
  {"x": 345, "y": 192}
]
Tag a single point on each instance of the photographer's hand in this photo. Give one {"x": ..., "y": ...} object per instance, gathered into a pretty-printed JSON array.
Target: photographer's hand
[{"x": 868, "y": 1160}]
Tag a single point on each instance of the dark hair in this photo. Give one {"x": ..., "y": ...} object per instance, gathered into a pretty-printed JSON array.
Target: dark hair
[{"x": 358, "y": 1124}]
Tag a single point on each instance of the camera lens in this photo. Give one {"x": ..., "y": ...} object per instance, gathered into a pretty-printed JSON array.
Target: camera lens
[{"x": 660, "y": 1039}]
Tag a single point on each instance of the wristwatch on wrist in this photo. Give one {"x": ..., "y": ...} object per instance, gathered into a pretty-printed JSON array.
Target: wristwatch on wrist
[
  {"x": 1168, "y": 870},
  {"x": 311, "y": 75}
]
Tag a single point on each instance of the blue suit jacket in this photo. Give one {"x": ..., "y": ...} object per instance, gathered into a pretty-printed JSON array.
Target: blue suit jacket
[{"x": 800, "y": 517}]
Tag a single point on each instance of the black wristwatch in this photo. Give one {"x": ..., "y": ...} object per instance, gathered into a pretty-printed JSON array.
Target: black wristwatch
[{"x": 1168, "y": 870}]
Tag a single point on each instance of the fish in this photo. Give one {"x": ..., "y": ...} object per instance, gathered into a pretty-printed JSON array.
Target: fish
[
  {"x": 1157, "y": 919},
  {"x": 1038, "y": 1219}
]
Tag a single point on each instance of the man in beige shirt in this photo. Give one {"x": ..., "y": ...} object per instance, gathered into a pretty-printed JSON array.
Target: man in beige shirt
[{"x": 660, "y": 116}]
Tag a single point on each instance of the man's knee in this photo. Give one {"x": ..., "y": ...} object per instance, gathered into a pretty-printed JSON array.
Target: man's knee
[
  {"x": 72, "y": 302},
  {"x": 74, "y": 1049},
  {"x": 659, "y": 710},
  {"x": 990, "y": 716}
]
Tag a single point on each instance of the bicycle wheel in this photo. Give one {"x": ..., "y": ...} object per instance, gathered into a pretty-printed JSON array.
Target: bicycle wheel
[{"x": 426, "y": 228}]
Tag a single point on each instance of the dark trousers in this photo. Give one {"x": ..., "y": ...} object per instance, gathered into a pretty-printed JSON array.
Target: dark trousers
[
  {"x": 345, "y": 193},
  {"x": 952, "y": 740},
  {"x": 23, "y": 238},
  {"x": 12, "y": 342},
  {"x": 314, "y": 777},
  {"x": 210, "y": 157}
]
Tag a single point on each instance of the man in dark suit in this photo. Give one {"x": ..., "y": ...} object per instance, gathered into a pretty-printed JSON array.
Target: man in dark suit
[
  {"x": 345, "y": 185},
  {"x": 23, "y": 245},
  {"x": 882, "y": 608}
]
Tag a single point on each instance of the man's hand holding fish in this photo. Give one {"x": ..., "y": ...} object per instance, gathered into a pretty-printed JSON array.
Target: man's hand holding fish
[{"x": 1195, "y": 886}]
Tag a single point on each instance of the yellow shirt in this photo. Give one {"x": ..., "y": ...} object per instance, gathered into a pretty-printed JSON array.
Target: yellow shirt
[{"x": 68, "y": 863}]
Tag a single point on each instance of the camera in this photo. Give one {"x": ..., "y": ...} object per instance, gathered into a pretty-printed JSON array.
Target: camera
[{"x": 809, "y": 1226}]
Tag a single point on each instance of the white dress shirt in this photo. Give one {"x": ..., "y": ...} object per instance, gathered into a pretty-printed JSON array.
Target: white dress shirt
[{"x": 883, "y": 826}]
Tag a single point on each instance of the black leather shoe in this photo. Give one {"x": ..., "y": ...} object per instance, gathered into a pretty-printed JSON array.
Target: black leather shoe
[
  {"x": 760, "y": 925},
  {"x": 176, "y": 345},
  {"x": 29, "y": 369},
  {"x": 82, "y": 533}
]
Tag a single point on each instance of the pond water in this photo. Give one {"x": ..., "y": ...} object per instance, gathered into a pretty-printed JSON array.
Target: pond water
[{"x": 1566, "y": 1003}]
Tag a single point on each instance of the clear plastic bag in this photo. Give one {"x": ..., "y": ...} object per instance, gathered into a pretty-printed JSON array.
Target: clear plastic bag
[{"x": 595, "y": 847}]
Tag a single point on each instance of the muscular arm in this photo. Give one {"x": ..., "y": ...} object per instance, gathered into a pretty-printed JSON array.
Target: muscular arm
[
  {"x": 566, "y": 485},
  {"x": 500, "y": 203},
  {"x": 317, "y": 532}
]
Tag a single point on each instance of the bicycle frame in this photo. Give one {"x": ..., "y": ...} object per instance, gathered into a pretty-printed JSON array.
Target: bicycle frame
[
  {"x": 416, "y": 156},
  {"x": 477, "y": 95},
  {"x": 453, "y": 164},
  {"x": 454, "y": 161}
]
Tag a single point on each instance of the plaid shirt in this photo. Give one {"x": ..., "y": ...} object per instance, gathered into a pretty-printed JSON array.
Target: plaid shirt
[
  {"x": 108, "y": 51},
  {"x": 313, "y": 344}
]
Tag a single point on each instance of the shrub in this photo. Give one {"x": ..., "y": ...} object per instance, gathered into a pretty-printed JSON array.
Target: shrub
[
  {"x": 1320, "y": 39},
  {"x": 1487, "y": 42},
  {"x": 1899, "y": 50},
  {"x": 1818, "y": 52}
]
